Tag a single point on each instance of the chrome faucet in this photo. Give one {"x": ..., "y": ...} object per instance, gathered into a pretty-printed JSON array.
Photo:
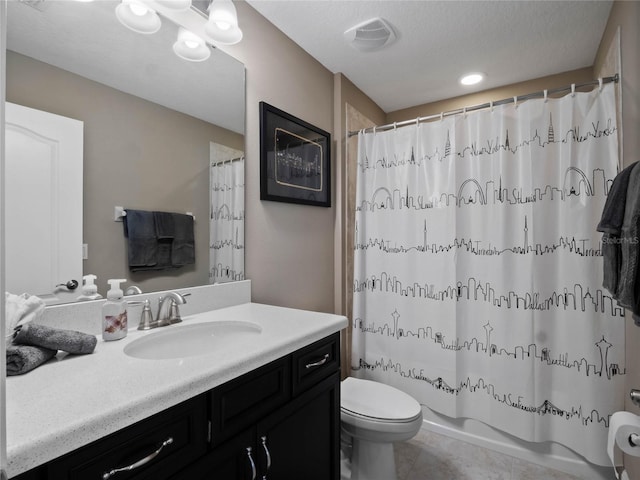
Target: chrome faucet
[{"x": 173, "y": 314}]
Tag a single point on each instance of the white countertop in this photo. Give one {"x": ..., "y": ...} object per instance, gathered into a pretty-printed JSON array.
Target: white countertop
[{"x": 74, "y": 400}]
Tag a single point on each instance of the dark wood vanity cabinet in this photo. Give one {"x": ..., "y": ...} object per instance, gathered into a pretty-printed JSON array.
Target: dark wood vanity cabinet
[{"x": 280, "y": 421}]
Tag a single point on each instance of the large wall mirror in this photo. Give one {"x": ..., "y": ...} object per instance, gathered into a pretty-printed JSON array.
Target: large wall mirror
[{"x": 153, "y": 126}]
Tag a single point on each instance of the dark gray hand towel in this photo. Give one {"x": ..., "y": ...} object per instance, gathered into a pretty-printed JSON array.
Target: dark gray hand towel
[
  {"x": 614, "y": 207},
  {"x": 165, "y": 232},
  {"x": 53, "y": 338},
  {"x": 628, "y": 241},
  {"x": 612, "y": 262},
  {"x": 183, "y": 250},
  {"x": 139, "y": 228},
  {"x": 165, "y": 228},
  {"x": 24, "y": 358}
]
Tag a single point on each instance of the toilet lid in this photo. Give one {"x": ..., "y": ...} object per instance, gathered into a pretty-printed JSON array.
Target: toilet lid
[{"x": 377, "y": 400}]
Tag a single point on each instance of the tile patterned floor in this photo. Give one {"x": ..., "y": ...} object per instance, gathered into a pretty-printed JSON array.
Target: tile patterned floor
[{"x": 430, "y": 456}]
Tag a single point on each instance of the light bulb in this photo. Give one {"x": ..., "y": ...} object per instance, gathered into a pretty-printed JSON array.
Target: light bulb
[
  {"x": 138, "y": 17},
  {"x": 222, "y": 26},
  {"x": 191, "y": 47},
  {"x": 138, "y": 9}
]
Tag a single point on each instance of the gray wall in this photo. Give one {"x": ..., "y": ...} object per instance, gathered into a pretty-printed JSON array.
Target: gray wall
[{"x": 289, "y": 248}]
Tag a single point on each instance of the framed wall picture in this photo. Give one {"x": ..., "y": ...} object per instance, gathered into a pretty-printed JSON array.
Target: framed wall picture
[{"x": 294, "y": 159}]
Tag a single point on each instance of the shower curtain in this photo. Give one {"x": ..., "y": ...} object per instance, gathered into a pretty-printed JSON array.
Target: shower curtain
[
  {"x": 226, "y": 258},
  {"x": 478, "y": 268}
]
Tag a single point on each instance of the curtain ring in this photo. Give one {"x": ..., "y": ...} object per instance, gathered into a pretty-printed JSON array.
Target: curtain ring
[
  {"x": 573, "y": 89},
  {"x": 515, "y": 101},
  {"x": 417, "y": 121},
  {"x": 441, "y": 116},
  {"x": 464, "y": 112},
  {"x": 600, "y": 84},
  {"x": 394, "y": 126},
  {"x": 374, "y": 129},
  {"x": 491, "y": 106},
  {"x": 545, "y": 96}
]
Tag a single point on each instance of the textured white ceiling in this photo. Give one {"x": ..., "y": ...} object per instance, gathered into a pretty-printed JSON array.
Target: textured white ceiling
[{"x": 438, "y": 41}]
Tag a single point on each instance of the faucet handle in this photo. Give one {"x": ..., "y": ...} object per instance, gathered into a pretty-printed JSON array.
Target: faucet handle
[
  {"x": 174, "y": 313},
  {"x": 146, "y": 318},
  {"x": 174, "y": 310}
]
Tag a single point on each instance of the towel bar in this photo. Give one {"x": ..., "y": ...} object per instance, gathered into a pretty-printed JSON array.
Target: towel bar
[{"x": 120, "y": 212}]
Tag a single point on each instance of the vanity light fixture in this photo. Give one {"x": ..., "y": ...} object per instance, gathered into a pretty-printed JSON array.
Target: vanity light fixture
[
  {"x": 222, "y": 26},
  {"x": 472, "y": 78},
  {"x": 191, "y": 47},
  {"x": 219, "y": 26},
  {"x": 138, "y": 17}
]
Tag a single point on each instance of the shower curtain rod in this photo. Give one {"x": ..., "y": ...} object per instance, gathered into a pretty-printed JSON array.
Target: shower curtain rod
[{"x": 515, "y": 99}]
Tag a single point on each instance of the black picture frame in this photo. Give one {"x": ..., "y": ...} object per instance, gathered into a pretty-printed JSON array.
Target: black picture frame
[{"x": 294, "y": 159}]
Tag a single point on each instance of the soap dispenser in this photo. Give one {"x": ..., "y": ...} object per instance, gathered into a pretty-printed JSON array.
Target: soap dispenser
[
  {"x": 89, "y": 289},
  {"x": 114, "y": 313}
]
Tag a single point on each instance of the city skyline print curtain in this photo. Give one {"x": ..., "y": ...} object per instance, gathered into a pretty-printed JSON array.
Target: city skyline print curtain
[
  {"x": 226, "y": 258},
  {"x": 478, "y": 268}
]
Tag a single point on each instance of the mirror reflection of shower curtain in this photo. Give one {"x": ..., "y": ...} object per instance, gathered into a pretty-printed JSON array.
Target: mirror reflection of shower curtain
[
  {"x": 478, "y": 268},
  {"x": 226, "y": 236}
]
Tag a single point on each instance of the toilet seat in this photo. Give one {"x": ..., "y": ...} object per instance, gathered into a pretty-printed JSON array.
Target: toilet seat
[
  {"x": 365, "y": 418},
  {"x": 366, "y": 400}
]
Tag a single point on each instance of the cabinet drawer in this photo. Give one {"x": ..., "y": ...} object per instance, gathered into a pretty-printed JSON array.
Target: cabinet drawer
[
  {"x": 240, "y": 402},
  {"x": 316, "y": 361},
  {"x": 183, "y": 430}
]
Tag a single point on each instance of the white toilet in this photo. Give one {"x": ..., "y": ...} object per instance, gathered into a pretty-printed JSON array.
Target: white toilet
[{"x": 373, "y": 416}]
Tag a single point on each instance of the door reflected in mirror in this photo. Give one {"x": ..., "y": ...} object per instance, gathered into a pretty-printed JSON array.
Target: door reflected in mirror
[{"x": 154, "y": 128}]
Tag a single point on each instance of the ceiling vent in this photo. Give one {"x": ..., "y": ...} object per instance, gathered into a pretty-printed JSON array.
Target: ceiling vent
[{"x": 371, "y": 35}]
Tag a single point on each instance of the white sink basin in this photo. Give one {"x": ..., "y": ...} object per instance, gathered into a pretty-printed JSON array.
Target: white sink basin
[{"x": 192, "y": 340}]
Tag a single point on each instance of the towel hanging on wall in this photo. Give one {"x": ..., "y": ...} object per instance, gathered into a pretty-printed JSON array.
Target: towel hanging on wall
[
  {"x": 620, "y": 248},
  {"x": 158, "y": 240}
]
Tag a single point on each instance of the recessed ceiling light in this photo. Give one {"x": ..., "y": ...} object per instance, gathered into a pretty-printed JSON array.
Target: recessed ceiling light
[{"x": 471, "y": 78}]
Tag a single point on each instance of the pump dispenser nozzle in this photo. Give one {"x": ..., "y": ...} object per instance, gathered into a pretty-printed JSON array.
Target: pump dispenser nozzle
[
  {"x": 115, "y": 292},
  {"x": 89, "y": 288}
]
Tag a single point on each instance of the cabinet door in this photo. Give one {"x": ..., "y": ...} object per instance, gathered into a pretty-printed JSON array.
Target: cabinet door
[
  {"x": 241, "y": 402},
  {"x": 233, "y": 460},
  {"x": 302, "y": 439}
]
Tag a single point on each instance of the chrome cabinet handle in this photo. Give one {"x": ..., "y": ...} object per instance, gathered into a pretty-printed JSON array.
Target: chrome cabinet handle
[
  {"x": 139, "y": 463},
  {"x": 253, "y": 465},
  {"x": 319, "y": 362},
  {"x": 266, "y": 452}
]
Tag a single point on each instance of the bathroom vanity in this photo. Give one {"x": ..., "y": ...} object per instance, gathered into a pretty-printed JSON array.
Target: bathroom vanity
[{"x": 264, "y": 405}]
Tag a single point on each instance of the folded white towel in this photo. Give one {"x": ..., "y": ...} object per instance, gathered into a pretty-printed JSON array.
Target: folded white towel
[{"x": 21, "y": 309}]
